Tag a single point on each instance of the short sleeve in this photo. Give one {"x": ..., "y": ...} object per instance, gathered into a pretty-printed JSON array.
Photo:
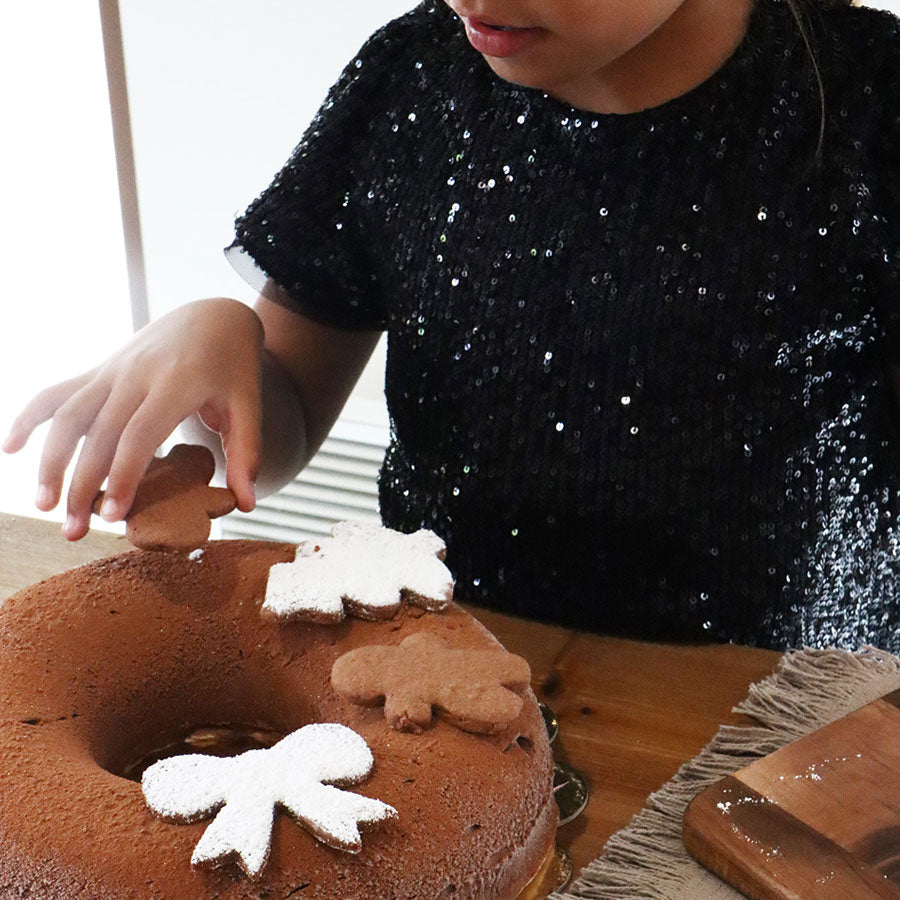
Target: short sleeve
[{"x": 305, "y": 232}]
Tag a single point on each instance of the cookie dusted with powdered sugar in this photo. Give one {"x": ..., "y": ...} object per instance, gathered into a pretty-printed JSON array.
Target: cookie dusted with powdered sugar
[
  {"x": 361, "y": 570},
  {"x": 300, "y": 775}
]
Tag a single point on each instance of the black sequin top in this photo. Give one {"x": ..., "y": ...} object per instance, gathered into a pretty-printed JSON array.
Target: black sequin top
[{"x": 636, "y": 363}]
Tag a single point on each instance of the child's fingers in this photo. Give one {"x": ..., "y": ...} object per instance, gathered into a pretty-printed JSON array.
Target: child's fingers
[
  {"x": 70, "y": 421},
  {"x": 40, "y": 408},
  {"x": 96, "y": 456},
  {"x": 241, "y": 441},
  {"x": 153, "y": 421},
  {"x": 75, "y": 529}
]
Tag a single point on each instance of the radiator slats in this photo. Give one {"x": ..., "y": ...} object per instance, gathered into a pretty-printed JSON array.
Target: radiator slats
[
  {"x": 340, "y": 483},
  {"x": 326, "y": 506}
]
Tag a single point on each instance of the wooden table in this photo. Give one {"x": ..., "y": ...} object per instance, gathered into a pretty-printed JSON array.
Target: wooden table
[{"x": 630, "y": 713}]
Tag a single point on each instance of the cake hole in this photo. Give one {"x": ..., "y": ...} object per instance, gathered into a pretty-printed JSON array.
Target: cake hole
[{"x": 210, "y": 740}]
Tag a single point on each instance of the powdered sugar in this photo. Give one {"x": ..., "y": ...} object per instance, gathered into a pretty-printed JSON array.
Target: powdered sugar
[
  {"x": 298, "y": 774},
  {"x": 361, "y": 570}
]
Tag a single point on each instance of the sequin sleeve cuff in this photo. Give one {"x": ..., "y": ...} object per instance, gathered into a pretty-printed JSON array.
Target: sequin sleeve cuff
[{"x": 303, "y": 300}]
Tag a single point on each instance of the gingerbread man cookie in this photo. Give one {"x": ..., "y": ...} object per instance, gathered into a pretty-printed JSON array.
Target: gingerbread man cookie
[
  {"x": 476, "y": 690},
  {"x": 174, "y": 504}
]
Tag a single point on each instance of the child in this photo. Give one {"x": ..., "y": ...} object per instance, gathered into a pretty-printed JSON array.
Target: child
[{"x": 639, "y": 264}]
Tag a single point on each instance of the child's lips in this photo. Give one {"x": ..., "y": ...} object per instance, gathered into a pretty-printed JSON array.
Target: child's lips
[{"x": 497, "y": 39}]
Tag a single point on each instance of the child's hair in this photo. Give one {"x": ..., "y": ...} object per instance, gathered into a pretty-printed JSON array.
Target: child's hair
[{"x": 801, "y": 10}]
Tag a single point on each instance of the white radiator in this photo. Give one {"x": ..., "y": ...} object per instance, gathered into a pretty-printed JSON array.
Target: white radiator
[{"x": 339, "y": 483}]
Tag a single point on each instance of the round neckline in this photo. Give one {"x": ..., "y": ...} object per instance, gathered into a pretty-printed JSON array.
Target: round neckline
[{"x": 732, "y": 71}]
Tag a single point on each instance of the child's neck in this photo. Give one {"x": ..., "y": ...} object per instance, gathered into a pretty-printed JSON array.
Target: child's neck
[{"x": 690, "y": 47}]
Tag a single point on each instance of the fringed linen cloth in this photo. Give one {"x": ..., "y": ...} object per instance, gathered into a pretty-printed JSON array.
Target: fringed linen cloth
[{"x": 808, "y": 689}]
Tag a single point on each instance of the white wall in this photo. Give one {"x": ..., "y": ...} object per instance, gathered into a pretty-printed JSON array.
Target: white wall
[
  {"x": 220, "y": 92},
  {"x": 65, "y": 296}
]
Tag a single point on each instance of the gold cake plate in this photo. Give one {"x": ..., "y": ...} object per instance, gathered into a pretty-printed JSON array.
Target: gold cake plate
[{"x": 554, "y": 874}]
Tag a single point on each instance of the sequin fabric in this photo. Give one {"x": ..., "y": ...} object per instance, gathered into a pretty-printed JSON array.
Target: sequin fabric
[{"x": 637, "y": 364}]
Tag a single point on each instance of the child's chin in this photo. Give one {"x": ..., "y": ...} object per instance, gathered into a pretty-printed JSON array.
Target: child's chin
[{"x": 516, "y": 73}]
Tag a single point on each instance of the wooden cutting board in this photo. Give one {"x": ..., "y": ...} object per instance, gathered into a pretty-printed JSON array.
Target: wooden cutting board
[{"x": 817, "y": 820}]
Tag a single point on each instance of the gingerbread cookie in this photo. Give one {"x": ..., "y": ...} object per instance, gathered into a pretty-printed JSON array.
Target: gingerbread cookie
[
  {"x": 298, "y": 774},
  {"x": 476, "y": 690},
  {"x": 363, "y": 570},
  {"x": 174, "y": 504}
]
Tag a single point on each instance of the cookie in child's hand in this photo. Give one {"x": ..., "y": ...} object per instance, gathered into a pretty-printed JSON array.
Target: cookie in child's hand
[{"x": 174, "y": 504}]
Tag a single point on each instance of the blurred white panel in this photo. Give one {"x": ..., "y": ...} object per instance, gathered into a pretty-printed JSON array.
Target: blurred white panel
[
  {"x": 65, "y": 291},
  {"x": 220, "y": 92}
]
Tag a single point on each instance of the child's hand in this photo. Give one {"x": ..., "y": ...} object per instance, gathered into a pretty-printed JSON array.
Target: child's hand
[{"x": 201, "y": 358}]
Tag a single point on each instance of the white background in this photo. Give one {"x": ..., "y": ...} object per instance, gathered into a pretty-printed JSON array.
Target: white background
[
  {"x": 220, "y": 92},
  {"x": 64, "y": 286}
]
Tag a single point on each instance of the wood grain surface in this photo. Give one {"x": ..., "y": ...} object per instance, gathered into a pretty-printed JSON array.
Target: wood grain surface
[
  {"x": 630, "y": 712},
  {"x": 819, "y": 818}
]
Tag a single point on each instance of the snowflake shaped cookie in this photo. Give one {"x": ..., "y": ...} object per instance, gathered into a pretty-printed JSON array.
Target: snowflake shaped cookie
[
  {"x": 476, "y": 690},
  {"x": 298, "y": 774},
  {"x": 363, "y": 570}
]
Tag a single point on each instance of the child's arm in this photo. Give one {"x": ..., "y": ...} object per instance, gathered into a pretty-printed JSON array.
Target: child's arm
[
  {"x": 307, "y": 372},
  {"x": 234, "y": 366}
]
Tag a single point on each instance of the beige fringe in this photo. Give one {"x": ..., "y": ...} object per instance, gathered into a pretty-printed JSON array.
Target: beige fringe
[{"x": 808, "y": 689}]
